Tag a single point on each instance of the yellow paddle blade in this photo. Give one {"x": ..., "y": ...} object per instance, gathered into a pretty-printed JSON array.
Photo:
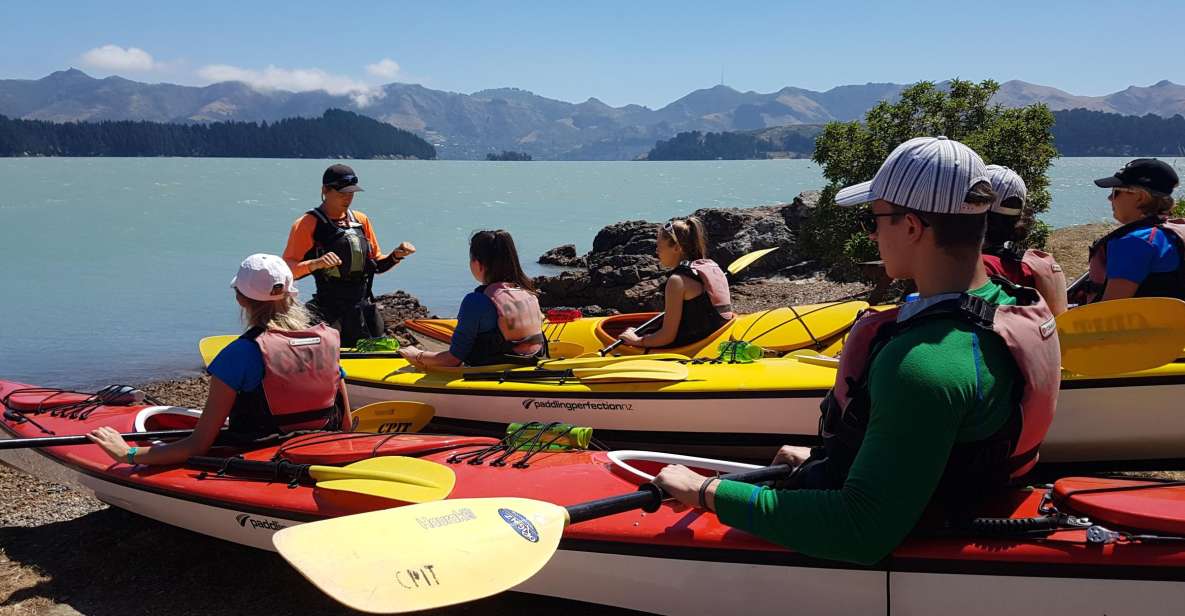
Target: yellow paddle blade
[
  {"x": 396, "y": 416},
  {"x": 211, "y": 346},
  {"x": 1124, "y": 335},
  {"x": 638, "y": 369},
  {"x": 744, "y": 261},
  {"x": 596, "y": 361},
  {"x": 425, "y": 556},
  {"x": 398, "y": 469},
  {"x": 402, "y": 492},
  {"x": 814, "y": 358},
  {"x": 631, "y": 377}
]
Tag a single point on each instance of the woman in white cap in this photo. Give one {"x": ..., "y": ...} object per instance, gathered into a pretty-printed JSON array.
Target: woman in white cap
[
  {"x": 1005, "y": 230},
  {"x": 281, "y": 376}
]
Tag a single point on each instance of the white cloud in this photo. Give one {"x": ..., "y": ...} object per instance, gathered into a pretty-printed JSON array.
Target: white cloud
[
  {"x": 295, "y": 80},
  {"x": 116, "y": 58},
  {"x": 385, "y": 68}
]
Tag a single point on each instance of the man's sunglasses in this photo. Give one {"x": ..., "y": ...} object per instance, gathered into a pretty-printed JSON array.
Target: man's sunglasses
[{"x": 867, "y": 219}]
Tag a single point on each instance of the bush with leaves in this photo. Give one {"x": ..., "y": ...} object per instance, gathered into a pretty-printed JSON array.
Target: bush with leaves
[{"x": 852, "y": 152}]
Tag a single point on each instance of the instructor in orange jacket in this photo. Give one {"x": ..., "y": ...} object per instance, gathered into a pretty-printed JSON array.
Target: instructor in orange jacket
[{"x": 337, "y": 245}]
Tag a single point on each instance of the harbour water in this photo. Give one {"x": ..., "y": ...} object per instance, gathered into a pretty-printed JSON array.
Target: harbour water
[{"x": 113, "y": 268}]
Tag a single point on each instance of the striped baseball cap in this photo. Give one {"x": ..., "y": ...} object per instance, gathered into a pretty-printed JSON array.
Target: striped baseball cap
[
  {"x": 1006, "y": 184},
  {"x": 927, "y": 174}
]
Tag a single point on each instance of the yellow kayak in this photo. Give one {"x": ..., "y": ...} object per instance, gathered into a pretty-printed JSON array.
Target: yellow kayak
[{"x": 781, "y": 330}]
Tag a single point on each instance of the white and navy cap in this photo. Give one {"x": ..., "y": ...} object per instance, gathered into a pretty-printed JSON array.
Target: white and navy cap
[
  {"x": 1007, "y": 185},
  {"x": 927, "y": 174},
  {"x": 264, "y": 278}
]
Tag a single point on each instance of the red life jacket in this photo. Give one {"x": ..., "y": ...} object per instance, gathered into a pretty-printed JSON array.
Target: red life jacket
[
  {"x": 715, "y": 284},
  {"x": 1030, "y": 333},
  {"x": 300, "y": 383},
  {"x": 1022, "y": 268},
  {"x": 1157, "y": 284},
  {"x": 519, "y": 317}
]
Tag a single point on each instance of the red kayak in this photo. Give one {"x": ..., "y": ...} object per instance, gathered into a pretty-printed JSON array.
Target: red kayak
[{"x": 675, "y": 560}]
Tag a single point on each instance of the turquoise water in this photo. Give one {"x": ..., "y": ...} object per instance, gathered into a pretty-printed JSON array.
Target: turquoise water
[{"x": 114, "y": 268}]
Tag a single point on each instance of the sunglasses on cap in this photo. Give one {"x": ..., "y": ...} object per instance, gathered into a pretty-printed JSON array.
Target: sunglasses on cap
[{"x": 343, "y": 182}]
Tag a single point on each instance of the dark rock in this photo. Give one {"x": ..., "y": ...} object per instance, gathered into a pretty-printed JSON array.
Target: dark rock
[
  {"x": 623, "y": 271},
  {"x": 563, "y": 256},
  {"x": 397, "y": 306}
]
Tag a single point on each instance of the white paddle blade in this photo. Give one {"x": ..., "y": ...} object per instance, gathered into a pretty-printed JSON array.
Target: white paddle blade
[{"x": 425, "y": 556}]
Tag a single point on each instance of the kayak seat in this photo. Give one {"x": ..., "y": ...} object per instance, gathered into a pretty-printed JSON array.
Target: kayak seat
[{"x": 609, "y": 328}]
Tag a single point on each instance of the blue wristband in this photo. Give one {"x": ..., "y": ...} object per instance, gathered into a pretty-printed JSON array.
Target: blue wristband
[{"x": 132, "y": 454}]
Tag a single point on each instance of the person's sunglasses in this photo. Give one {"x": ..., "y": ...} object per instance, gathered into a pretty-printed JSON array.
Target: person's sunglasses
[
  {"x": 867, "y": 219},
  {"x": 1115, "y": 192}
]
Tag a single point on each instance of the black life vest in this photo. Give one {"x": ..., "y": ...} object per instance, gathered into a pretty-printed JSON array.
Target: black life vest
[
  {"x": 701, "y": 318},
  {"x": 350, "y": 245},
  {"x": 1157, "y": 284},
  {"x": 1029, "y": 332},
  {"x": 344, "y": 295},
  {"x": 300, "y": 369}
]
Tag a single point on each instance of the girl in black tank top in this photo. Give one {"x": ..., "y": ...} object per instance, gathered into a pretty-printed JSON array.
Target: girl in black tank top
[{"x": 689, "y": 311}]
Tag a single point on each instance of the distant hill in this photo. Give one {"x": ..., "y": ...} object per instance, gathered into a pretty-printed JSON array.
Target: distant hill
[
  {"x": 796, "y": 141},
  {"x": 336, "y": 134},
  {"x": 1076, "y": 132},
  {"x": 469, "y": 126}
]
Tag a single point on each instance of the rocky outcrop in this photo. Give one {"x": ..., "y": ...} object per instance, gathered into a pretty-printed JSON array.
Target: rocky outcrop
[
  {"x": 397, "y": 306},
  {"x": 623, "y": 273},
  {"x": 563, "y": 256}
]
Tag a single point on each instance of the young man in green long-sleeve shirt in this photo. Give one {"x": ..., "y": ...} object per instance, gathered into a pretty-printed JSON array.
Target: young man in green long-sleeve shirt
[{"x": 932, "y": 386}]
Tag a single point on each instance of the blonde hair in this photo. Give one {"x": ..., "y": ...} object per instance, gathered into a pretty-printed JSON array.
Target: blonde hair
[
  {"x": 286, "y": 313},
  {"x": 1154, "y": 204},
  {"x": 689, "y": 235}
]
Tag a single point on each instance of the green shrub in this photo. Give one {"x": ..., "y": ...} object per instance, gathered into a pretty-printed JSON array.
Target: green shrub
[{"x": 852, "y": 152}]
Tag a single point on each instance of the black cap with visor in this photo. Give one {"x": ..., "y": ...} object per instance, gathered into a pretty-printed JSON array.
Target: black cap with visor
[
  {"x": 1154, "y": 175},
  {"x": 340, "y": 178}
]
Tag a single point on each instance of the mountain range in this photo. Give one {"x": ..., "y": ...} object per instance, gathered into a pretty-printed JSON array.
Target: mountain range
[{"x": 467, "y": 126}]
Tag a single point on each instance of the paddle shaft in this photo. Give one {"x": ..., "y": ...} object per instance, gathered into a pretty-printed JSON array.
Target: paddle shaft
[
  {"x": 56, "y": 441},
  {"x": 289, "y": 471},
  {"x": 256, "y": 469},
  {"x": 649, "y": 496},
  {"x": 641, "y": 329}
]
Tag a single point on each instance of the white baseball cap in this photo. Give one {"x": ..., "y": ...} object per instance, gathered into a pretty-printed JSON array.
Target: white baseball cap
[
  {"x": 264, "y": 278},
  {"x": 1007, "y": 184},
  {"x": 927, "y": 174}
]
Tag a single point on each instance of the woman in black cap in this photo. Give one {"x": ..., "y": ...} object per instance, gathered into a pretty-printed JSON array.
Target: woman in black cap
[
  {"x": 338, "y": 247},
  {"x": 1145, "y": 256}
]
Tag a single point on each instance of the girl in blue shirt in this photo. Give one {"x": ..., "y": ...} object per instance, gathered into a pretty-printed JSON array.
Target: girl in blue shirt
[{"x": 481, "y": 336}]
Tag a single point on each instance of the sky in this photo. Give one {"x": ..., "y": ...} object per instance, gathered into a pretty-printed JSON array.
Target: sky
[{"x": 649, "y": 53}]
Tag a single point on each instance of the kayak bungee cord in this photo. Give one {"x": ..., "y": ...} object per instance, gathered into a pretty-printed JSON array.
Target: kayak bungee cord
[
  {"x": 798, "y": 318},
  {"x": 517, "y": 441},
  {"x": 112, "y": 395},
  {"x": 1053, "y": 519}
]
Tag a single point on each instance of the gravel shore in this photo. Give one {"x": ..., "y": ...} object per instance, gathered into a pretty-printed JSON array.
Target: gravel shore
[{"x": 62, "y": 552}]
